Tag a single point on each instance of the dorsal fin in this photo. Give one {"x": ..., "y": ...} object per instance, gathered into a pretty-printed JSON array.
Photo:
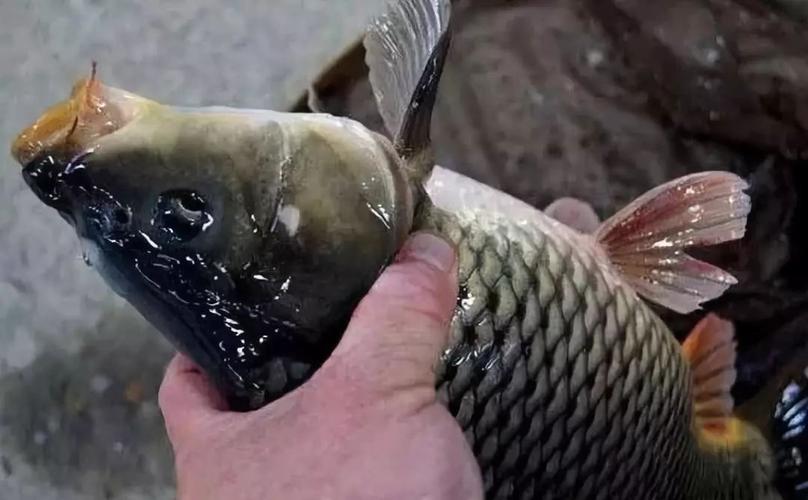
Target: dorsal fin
[
  {"x": 405, "y": 51},
  {"x": 710, "y": 349},
  {"x": 646, "y": 240},
  {"x": 574, "y": 213}
]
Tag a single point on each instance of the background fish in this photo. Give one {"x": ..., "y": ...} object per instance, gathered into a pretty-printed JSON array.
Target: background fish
[
  {"x": 248, "y": 237},
  {"x": 790, "y": 433}
]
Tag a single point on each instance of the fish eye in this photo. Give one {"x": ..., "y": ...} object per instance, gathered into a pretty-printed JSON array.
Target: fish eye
[{"x": 181, "y": 214}]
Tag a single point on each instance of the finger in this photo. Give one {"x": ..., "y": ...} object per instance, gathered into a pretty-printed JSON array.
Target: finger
[
  {"x": 400, "y": 328},
  {"x": 187, "y": 399}
]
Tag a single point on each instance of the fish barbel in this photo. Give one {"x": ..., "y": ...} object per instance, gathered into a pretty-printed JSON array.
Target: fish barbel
[{"x": 248, "y": 237}]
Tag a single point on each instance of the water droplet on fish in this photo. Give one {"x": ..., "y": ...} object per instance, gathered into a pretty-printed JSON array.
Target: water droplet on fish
[
  {"x": 467, "y": 302},
  {"x": 89, "y": 251},
  {"x": 380, "y": 214},
  {"x": 289, "y": 216}
]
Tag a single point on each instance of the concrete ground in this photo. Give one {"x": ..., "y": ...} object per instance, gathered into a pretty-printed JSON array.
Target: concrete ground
[{"x": 79, "y": 369}]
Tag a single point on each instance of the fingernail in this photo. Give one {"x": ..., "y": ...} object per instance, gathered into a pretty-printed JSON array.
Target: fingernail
[{"x": 432, "y": 249}]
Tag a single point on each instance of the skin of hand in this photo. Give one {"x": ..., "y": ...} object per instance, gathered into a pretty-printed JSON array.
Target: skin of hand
[{"x": 367, "y": 425}]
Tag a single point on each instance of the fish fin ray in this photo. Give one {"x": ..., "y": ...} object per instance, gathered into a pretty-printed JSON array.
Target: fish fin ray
[
  {"x": 711, "y": 351},
  {"x": 405, "y": 51},
  {"x": 646, "y": 240}
]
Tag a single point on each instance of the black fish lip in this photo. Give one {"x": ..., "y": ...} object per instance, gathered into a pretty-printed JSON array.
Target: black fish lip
[
  {"x": 42, "y": 175},
  {"x": 52, "y": 180}
]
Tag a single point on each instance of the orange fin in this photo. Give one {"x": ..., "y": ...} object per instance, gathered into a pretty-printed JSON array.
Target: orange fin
[
  {"x": 710, "y": 349},
  {"x": 646, "y": 240}
]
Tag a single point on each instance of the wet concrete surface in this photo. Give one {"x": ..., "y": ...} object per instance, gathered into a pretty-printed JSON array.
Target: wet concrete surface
[{"x": 79, "y": 369}]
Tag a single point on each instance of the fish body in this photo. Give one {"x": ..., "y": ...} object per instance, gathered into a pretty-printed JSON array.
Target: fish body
[
  {"x": 248, "y": 237},
  {"x": 568, "y": 385}
]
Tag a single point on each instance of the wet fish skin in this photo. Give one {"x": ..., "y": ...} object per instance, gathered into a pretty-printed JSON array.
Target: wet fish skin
[
  {"x": 568, "y": 386},
  {"x": 536, "y": 348}
]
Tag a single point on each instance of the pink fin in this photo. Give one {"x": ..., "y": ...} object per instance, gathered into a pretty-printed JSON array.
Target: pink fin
[
  {"x": 646, "y": 240},
  {"x": 574, "y": 213},
  {"x": 710, "y": 349}
]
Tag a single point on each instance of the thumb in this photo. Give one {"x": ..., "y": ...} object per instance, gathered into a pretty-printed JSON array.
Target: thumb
[
  {"x": 187, "y": 399},
  {"x": 400, "y": 328}
]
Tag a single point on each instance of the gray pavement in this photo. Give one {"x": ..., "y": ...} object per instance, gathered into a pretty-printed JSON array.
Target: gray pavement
[{"x": 79, "y": 368}]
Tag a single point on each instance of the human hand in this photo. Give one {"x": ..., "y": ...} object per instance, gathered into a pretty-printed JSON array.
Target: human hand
[{"x": 366, "y": 426}]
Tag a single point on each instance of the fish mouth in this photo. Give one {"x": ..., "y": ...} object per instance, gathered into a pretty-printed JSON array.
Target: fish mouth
[{"x": 92, "y": 111}]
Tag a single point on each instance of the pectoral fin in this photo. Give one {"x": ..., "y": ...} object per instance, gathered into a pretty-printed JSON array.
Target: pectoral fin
[{"x": 646, "y": 240}]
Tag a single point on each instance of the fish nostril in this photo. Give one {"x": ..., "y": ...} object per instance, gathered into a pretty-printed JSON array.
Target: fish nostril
[
  {"x": 110, "y": 221},
  {"x": 116, "y": 221},
  {"x": 120, "y": 216}
]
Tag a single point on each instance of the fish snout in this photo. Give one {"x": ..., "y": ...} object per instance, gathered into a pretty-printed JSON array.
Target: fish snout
[
  {"x": 66, "y": 187},
  {"x": 44, "y": 175}
]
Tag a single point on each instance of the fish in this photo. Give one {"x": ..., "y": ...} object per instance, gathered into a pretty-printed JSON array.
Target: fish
[
  {"x": 790, "y": 431},
  {"x": 248, "y": 237}
]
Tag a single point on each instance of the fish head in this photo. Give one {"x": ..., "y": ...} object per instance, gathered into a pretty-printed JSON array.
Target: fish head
[{"x": 247, "y": 237}]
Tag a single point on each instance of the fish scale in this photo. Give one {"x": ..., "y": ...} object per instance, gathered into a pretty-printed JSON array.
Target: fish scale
[{"x": 551, "y": 370}]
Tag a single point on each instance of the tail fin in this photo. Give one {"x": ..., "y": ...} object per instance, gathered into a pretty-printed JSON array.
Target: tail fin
[
  {"x": 646, "y": 240},
  {"x": 406, "y": 49}
]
